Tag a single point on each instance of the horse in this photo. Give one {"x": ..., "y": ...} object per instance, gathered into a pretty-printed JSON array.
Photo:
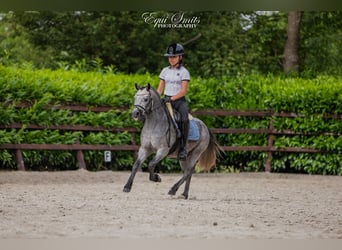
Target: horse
[{"x": 159, "y": 137}]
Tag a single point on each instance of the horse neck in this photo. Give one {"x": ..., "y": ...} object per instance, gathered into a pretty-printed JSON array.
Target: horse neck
[{"x": 158, "y": 113}]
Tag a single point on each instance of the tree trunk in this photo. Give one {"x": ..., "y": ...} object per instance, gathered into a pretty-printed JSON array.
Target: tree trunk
[{"x": 291, "y": 58}]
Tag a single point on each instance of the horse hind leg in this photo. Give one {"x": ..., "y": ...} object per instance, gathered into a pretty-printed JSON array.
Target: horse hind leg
[
  {"x": 187, "y": 183},
  {"x": 176, "y": 186},
  {"x": 189, "y": 167}
]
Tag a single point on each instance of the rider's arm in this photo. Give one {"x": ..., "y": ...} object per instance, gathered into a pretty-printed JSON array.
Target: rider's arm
[
  {"x": 161, "y": 87},
  {"x": 182, "y": 92}
]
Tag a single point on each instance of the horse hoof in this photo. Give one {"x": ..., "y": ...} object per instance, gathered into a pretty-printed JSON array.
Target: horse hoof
[
  {"x": 155, "y": 178},
  {"x": 171, "y": 192},
  {"x": 126, "y": 189},
  {"x": 184, "y": 196}
]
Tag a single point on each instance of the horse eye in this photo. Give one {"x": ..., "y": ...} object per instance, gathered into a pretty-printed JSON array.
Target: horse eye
[{"x": 145, "y": 99}]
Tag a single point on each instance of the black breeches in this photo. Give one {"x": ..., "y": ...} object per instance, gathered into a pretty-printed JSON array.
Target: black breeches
[{"x": 181, "y": 106}]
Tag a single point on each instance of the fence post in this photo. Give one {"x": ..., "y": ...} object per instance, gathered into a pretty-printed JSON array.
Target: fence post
[
  {"x": 270, "y": 141},
  {"x": 19, "y": 159},
  {"x": 80, "y": 157}
]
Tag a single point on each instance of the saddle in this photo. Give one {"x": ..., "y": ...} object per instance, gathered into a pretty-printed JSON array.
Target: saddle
[{"x": 194, "y": 134}]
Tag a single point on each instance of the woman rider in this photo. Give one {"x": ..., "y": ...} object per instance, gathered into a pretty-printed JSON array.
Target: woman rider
[{"x": 174, "y": 81}]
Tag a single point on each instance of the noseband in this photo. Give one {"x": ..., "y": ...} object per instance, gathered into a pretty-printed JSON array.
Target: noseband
[{"x": 139, "y": 107}]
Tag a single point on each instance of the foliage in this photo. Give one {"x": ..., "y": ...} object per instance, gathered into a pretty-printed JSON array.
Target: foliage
[
  {"x": 230, "y": 43},
  {"x": 321, "y": 45},
  {"x": 45, "y": 89},
  {"x": 93, "y": 58},
  {"x": 16, "y": 47}
]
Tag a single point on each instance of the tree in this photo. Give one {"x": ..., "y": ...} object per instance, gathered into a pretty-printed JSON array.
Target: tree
[
  {"x": 320, "y": 48},
  {"x": 291, "y": 58},
  {"x": 265, "y": 42},
  {"x": 231, "y": 42}
]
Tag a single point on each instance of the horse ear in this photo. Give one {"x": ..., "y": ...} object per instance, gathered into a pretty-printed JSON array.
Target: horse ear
[
  {"x": 148, "y": 86},
  {"x": 136, "y": 86}
]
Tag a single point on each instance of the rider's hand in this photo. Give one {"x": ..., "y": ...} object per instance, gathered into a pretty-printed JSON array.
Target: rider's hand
[{"x": 167, "y": 99}]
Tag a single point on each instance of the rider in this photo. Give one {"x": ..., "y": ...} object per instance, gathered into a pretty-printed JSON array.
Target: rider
[{"x": 174, "y": 81}]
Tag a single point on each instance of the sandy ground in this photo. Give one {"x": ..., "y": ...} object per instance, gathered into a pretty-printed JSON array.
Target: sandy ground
[{"x": 77, "y": 204}]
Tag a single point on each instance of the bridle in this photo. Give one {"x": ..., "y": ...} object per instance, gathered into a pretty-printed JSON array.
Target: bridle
[{"x": 149, "y": 104}]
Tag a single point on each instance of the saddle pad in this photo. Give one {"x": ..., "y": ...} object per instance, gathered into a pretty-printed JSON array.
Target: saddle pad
[{"x": 194, "y": 133}]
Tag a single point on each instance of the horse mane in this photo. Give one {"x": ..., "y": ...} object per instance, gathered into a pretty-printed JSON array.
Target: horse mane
[
  {"x": 148, "y": 87},
  {"x": 158, "y": 98},
  {"x": 155, "y": 92}
]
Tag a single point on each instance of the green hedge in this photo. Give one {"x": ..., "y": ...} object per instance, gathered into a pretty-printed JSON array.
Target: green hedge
[{"x": 313, "y": 97}]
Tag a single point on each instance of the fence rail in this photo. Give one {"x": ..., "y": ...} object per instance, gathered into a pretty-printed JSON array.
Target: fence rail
[{"x": 270, "y": 132}]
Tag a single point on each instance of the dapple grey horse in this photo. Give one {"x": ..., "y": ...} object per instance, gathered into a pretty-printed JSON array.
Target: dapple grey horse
[{"x": 158, "y": 135}]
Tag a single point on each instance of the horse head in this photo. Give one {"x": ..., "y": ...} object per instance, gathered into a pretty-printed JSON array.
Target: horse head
[{"x": 142, "y": 102}]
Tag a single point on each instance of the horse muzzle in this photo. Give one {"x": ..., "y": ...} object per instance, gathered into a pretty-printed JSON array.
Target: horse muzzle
[{"x": 137, "y": 114}]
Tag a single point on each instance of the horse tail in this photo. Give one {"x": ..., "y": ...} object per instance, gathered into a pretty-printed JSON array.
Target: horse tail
[{"x": 208, "y": 158}]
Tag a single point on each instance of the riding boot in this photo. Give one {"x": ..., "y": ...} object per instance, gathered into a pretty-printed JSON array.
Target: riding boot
[{"x": 182, "y": 154}]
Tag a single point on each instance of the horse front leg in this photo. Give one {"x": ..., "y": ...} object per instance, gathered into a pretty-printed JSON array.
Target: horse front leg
[
  {"x": 142, "y": 155},
  {"x": 161, "y": 154}
]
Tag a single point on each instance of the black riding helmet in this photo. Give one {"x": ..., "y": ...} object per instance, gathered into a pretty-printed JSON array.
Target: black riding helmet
[{"x": 174, "y": 49}]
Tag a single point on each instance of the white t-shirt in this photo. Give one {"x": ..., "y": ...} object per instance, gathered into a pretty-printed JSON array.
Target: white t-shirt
[{"x": 173, "y": 78}]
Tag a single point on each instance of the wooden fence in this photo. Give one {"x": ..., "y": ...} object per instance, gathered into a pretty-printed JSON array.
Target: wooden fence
[{"x": 270, "y": 132}]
